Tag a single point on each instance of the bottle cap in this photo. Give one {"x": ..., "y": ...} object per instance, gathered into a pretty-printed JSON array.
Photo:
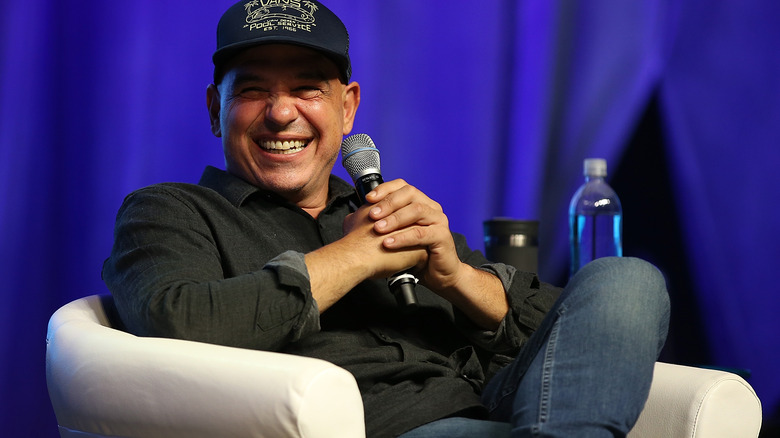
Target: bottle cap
[{"x": 594, "y": 167}]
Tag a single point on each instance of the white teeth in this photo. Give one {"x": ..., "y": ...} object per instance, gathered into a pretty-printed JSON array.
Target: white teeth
[{"x": 284, "y": 147}]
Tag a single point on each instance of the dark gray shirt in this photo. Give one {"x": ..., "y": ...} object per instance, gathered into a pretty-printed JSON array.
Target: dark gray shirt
[{"x": 223, "y": 262}]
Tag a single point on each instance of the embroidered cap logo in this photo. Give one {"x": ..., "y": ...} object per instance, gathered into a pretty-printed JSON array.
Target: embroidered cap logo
[{"x": 274, "y": 15}]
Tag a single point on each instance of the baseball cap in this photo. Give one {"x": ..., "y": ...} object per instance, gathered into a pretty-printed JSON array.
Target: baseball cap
[{"x": 305, "y": 23}]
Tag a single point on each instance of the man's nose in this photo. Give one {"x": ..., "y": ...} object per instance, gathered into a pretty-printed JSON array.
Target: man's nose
[{"x": 281, "y": 110}]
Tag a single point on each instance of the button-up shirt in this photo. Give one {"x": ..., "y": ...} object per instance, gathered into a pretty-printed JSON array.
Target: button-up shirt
[{"x": 223, "y": 262}]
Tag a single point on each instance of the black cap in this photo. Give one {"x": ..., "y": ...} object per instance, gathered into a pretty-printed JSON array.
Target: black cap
[{"x": 301, "y": 22}]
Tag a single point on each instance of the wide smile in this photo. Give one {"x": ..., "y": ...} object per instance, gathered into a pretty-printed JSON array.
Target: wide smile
[{"x": 283, "y": 147}]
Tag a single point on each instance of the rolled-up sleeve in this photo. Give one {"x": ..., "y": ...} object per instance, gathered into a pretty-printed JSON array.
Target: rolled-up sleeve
[
  {"x": 290, "y": 268},
  {"x": 529, "y": 301},
  {"x": 168, "y": 277}
]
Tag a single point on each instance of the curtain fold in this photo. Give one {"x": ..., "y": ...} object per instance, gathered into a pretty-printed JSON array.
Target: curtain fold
[
  {"x": 489, "y": 107},
  {"x": 584, "y": 74},
  {"x": 720, "y": 98}
]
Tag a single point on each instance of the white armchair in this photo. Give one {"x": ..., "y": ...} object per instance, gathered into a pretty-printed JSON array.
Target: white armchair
[{"x": 104, "y": 382}]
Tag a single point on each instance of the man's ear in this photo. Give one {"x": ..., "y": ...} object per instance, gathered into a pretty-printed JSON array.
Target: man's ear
[
  {"x": 351, "y": 102},
  {"x": 214, "y": 105}
]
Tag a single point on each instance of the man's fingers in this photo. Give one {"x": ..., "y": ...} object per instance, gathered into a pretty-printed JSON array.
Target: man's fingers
[
  {"x": 384, "y": 189},
  {"x": 417, "y": 236}
]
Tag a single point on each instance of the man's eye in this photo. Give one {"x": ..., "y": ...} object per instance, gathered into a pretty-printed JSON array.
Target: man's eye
[
  {"x": 308, "y": 91},
  {"x": 251, "y": 92}
]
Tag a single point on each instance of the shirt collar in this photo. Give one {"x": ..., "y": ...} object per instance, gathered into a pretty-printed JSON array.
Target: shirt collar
[{"x": 237, "y": 191}]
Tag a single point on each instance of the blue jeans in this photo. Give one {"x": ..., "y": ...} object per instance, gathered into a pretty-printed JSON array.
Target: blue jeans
[{"x": 586, "y": 371}]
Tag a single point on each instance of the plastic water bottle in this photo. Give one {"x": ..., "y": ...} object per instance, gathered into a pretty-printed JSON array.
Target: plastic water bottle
[{"x": 595, "y": 218}]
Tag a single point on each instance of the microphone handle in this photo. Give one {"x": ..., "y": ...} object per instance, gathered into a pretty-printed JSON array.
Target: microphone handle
[
  {"x": 402, "y": 287},
  {"x": 401, "y": 284},
  {"x": 366, "y": 183}
]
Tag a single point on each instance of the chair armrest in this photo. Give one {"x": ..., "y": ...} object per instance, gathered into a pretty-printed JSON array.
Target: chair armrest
[
  {"x": 694, "y": 402},
  {"x": 104, "y": 381}
]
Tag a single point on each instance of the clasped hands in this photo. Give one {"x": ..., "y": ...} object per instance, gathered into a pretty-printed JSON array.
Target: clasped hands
[{"x": 401, "y": 228}]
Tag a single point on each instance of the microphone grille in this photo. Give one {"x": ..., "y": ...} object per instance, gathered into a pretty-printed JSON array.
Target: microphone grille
[{"x": 359, "y": 156}]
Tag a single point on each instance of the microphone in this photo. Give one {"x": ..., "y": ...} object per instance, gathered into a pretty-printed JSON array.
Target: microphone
[{"x": 361, "y": 159}]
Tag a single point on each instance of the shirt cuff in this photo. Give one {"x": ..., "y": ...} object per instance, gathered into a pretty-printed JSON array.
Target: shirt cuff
[
  {"x": 290, "y": 267},
  {"x": 501, "y": 339}
]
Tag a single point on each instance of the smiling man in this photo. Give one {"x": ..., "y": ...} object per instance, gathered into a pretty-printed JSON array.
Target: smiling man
[
  {"x": 281, "y": 111},
  {"x": 273, "y": 253}
]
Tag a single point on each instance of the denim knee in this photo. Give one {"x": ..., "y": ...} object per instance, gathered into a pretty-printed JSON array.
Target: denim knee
[
  {"x": 629, "y": 291},
  {"x": 623, "y": 277}
]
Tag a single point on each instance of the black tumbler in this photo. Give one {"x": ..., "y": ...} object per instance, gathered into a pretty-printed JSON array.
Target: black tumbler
[{"x": 513, "y": 242}]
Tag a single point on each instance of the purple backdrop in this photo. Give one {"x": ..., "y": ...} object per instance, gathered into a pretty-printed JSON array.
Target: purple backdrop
[{"x": 488, "y": 106}]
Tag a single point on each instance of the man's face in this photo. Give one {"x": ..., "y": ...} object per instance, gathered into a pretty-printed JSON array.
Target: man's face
[{"x": 282, "y": 112}]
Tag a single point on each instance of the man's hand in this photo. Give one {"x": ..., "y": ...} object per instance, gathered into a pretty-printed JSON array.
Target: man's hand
[
  {"x": 407, "y": 219},
  {"x": 336, "y": 268},
  {"x": 401, "y": 228}
]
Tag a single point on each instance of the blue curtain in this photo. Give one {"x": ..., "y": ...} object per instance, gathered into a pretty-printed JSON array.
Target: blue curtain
[{"x": 487, "y": 106}]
